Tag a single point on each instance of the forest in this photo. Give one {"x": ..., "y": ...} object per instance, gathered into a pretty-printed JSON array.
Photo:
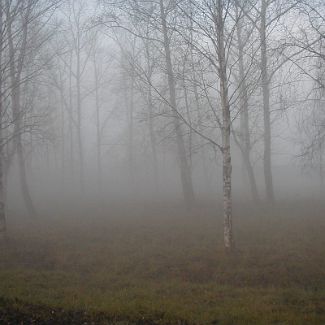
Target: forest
[{"x": 162, "y": 162}]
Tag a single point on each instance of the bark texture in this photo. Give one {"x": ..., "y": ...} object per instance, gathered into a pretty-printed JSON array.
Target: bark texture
[{"x": 226, "y": 130}]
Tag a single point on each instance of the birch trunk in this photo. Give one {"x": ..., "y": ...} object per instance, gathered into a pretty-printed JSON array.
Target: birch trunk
[{"x": 226, "y": 130}]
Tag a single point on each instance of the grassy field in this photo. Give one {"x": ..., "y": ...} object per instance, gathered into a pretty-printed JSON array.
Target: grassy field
[{"x": 162, "y": 265}]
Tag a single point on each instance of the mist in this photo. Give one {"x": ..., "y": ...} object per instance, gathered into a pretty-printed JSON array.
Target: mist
[{"x": 162, "y": 162}]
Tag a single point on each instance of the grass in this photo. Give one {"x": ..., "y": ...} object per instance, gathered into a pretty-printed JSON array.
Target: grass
[{"x": 160, "y": 265}]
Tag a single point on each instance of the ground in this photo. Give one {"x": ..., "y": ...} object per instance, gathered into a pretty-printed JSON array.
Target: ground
[{"x": 160, "y": 264}]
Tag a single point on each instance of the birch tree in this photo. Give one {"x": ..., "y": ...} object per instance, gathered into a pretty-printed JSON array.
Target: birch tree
[
  {"x": 78, "y": 40},
  {"x": 17, "y": 54},
  {"x": 266, "y": 15},
  {"x": 156, "y": 14},
  {"x": 217, "y": 17},
  {"x": 244, "y": 138}
]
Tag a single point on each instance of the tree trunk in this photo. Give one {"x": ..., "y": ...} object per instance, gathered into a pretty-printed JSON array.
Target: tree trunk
[
  {"x": 15, "y": 80},
  {"x": 15, "y": 98},
  {"x": 203, "y": 155},
  {"x": 152, "y": 135},
  {"x": 266, "y": 109},
  {"x": 79, "y": 118},
  {"x": 187, "y": 106},
  {"x": 186, "y": 176},
  {"x": 153, "y": 138},
  {"x": 245, "y": 142},
  {"x": 3, "y": 228},
  {"x": 71, "y": 125},
  {"x": 131, "y": 130},
  {"x": 251, "y": 177},
  {"x": 98, "y": 132},
  {"x": 23, "y": 179},
  {"x": 321, "y": 169},
  {"x": 226, "y": 131},
  {"x": 2, "y": 180},
  {"x": 3, "y": 223},
  {"x": 62, "y": 118}
]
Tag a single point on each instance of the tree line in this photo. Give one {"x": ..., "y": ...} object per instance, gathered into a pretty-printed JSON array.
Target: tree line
[{"x": 216, "y": 74}]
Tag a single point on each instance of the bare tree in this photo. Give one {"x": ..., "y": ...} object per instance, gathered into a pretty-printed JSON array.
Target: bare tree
[
  {"x": 17, "y": 59},
  {"x": 312, "y": 124},
  {"x": 183, "y": 160},
  {"x": 161, "y": 34},
  {"x": 78, "y": 39},
  {"x": 218, "y": 16},
  {"x": 100, "y": 68},
  {"x": 265, "y": 15},
  {"x": 243, "y": 140}
]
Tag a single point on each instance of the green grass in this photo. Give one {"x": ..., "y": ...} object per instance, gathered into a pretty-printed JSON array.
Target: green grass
[{"x": 161, "y": 266}]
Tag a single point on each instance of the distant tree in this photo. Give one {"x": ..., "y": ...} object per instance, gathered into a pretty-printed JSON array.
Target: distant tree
[
  {"x": 312, "y": 124},
  {"x": 159, "y": 16},
  {"x": 266, "y": 16}
]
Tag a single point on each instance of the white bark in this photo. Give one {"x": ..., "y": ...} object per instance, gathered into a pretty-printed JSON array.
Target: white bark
[{"x": 226, "y": 131}]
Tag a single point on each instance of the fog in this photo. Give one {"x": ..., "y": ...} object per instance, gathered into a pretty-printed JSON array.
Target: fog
[
  {"x": 187, "y": 137},
  {"x": 123, "y": 102}
]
